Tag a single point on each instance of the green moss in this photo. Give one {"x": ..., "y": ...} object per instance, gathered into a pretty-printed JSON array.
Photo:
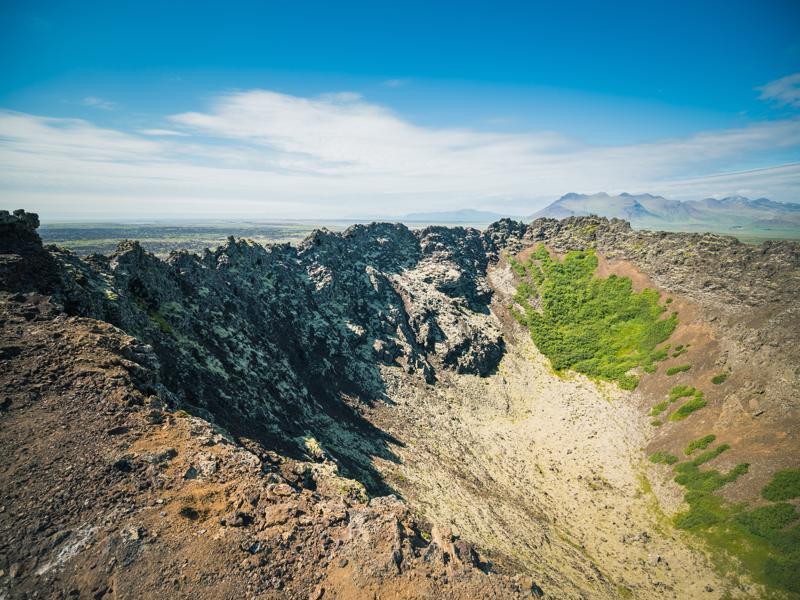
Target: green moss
[
  {"x": 628, "y": 382},
  {"x": 718, "y": 379},
  {"x": 680, "y": 349},
  {"x": 785, "y": 485},
  {"x": 663, "y": 458},
  {"x": 769, "y": 521},
  {"x": 660, "y": 354},
  {"x": 784, "y": 573},
  {"x": 705, "y": 508},
  {"x": 678, "y": 369},
  {"x": 704, "y": 511},
  {"x": 659, "y": 408},
  {"x": 779, "y": 556},
  {"x": 758, "y": 539},
  {"x": 677, "y": 392},
  {"x": 656, "y": 423},
  {"x": 699, "y": 444},
  {"x": 687, "y": 408},
  {"x": 159, "y": 319},
  {"x": 765, "y": 541},
  {"x": 690, "y": 476},
  {"x": 598, "y": 327},
  {"x": 710, "y": 455},
  {"x": 683, "y": 391},
  {"x": 517, "y": 267}
]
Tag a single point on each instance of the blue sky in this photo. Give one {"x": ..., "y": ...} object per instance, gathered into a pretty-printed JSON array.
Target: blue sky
[{"x": 323, "y": 109}]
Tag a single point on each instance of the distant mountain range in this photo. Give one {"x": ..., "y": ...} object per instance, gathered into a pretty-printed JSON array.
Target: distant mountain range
[
  {"x": 645, "y": 211},
  {"x": 464, "y": 215},
  {"x": 754, "y": 219}
]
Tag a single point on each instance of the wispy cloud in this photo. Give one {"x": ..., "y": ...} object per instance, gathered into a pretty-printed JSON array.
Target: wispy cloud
[
  {"x": 785, "y": 91},
  {"x": 259, "y": 152},
  {"x": 161, "y": 132},
  {"x": 341, "y": 97},
  {"x": 100, "y": 103}
]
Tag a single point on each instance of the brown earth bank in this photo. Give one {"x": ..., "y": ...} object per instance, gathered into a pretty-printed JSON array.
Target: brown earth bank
[
  {"x": 361, "y": 417},
  {"x": 108, "y": 494}
]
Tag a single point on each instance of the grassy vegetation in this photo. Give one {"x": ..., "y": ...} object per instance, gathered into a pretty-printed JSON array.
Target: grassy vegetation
[
  {"x": 682, "y": 391},
  {"x": 659, "y": 354},
  {"x": 687, "y": 408},
  {"x": 663, "y": 458},
  {"x": 718, "y": 379},
  {"x": 710, "y": 455},
  {"x": 785, "y": 485},
  {"x": 598, "y": 327},
  {"x": 678, "y": 369},
  {"x": 765, "y": 540},
  {"x": 705, "y": 508},
  {"x": 659, "y": 408},
  {"x": 680, "y": 349},
  {"x": 676, "y": 393},
  {"x": 768, "y": 521},
  {"x": 699, "y": 444},
  {"x": 781, "y": 560}
]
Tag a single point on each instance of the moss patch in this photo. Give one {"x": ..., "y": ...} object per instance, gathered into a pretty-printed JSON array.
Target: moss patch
[
  {"x": 659, "y": 408},
  {"x": 681, "y": 391},
  {"x": 678, "y": 369},
  {"x": 687, "y": 408},
  {"x": 680, "y": 349},
  {"x": 663, "y": 458},
  {"x": 718, "y": 379},
  {"x": 598, "y": 327},
  {"x": 785, "y": 485},
  {"x": 765, "y": 541},
  {"x": 676, "y": 393},
  {"x": 699, "y": 444}
]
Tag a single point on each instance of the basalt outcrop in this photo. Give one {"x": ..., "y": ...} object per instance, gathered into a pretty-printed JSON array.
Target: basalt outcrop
[{"x": 213, "y": 425}]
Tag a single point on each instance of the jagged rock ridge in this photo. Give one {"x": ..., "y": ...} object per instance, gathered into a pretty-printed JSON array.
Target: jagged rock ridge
[{"x": 281, "y": 350}]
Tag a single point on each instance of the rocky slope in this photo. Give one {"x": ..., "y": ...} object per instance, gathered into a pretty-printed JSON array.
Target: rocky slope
[{"x": 239, "y": 420}]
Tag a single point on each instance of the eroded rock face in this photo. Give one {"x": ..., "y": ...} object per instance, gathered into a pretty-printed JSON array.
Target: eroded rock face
[
  {"x": 268, "y": 341},
  {"x": 24, "y": 264},
  {"x": 106, "y": 492},
  {"x": 220, "y": 405},
  {"x": 192, "y": 386}
]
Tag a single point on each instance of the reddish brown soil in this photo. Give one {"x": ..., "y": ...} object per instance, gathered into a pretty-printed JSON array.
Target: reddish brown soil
[
  {"x": 767, "y": 440},
  {"x": 106, "y": 494}
]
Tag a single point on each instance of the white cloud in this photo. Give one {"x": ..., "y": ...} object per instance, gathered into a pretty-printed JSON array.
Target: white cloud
[
  {"x": 785, "y": 91},
  {"x": 260, "y": 153},
  {"x": 161, "y": 132},
  {"x": 95, "y": 102},
  {"x": 341, "y": 97}
]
